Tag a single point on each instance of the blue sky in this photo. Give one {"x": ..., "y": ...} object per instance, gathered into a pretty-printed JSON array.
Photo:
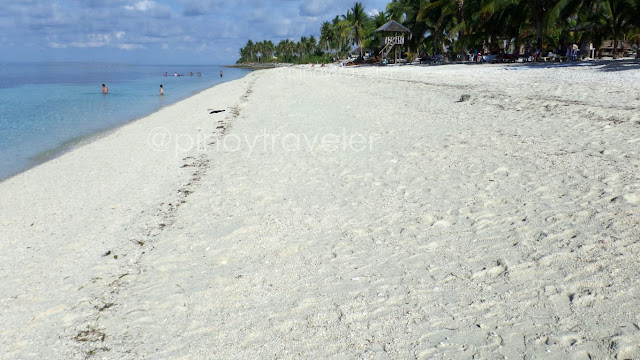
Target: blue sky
[{"x": 156, "y": 31}]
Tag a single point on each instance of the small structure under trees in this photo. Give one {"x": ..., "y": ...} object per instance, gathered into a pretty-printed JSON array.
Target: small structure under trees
[{"x": 394, "y": 35}]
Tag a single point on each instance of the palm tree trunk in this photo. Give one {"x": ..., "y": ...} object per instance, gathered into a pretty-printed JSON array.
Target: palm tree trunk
[
  {"x": 587, "y": 35},
  {"x": 584, "y": 44},
  {"x": 463, "y": 50},
  {"x": 539, "y": 23}
]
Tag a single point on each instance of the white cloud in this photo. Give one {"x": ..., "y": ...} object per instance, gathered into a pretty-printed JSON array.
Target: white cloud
[
  {"x": 57, "y": 45},
  {"x": 89, "y": 41},
  {"x": 143, "y": 5},
  {"x": 199, "y": 26},
  {"x": 129, "y": 47}
]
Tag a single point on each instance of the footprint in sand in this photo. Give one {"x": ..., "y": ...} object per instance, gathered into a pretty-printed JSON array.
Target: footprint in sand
[
  {"x": 497, "y": 269},
  {"x": 441, "y": 223}
]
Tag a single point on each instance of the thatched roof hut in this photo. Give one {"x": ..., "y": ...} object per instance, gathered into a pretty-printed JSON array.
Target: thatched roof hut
[
  {"x": 395, "y": 36},
  {"x": 394, "y": 27}
]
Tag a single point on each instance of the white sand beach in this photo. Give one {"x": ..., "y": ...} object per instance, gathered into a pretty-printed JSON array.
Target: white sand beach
[{"x": 341, "y": 213}]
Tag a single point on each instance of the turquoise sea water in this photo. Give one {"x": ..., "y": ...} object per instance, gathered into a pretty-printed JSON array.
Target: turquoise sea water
[{"x": 46, "y": 108}]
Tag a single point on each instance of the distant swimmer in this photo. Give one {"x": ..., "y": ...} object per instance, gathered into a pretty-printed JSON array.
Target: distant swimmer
[
  {"x": 220, "y": 73},
  {"x": 105, "y": 89},
  {"x": 161, "y": 90},
  {"x": 165, "y": 74}
]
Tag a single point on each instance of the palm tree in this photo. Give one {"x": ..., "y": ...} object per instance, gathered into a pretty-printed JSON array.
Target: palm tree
[
  {"x": 585, "y": 14},
  {"x": 312, "y": 45},
  {"x": 280, "y": 51},
  {"x": 537, "y": 10},
  {"x": 598, "y": 18},
  {"x": 446, "y": 17},
  {"x": 243, "y": 55},
  {"x": 357, "y": 20},
  {"x": 617, "y": 15},
  {"x": 291, "y": 47},
  {"x": 259, "y": 50},
  {"x": 248, "y": 51},
  {"x": 380, "y": 19},
  {"x": 302, "y": 46},
  {"x": 339, "y": 29},
  {"x": 375, "y": 39},
  {"x": 285, "y": 50},
  {"x": 326, "y": 36},
  {"x": 510, "y": 22},
  {"x": 461, "y": 23},
  {"x": 406, "y": 12},
  {"x": 267, "y": 49}
]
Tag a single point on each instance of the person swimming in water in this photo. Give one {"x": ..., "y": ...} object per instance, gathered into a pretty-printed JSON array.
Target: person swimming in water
[{"x": 105, "y": 89}]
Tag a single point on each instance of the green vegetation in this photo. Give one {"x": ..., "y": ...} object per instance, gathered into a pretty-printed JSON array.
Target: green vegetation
[{"x": 453, "y": 27}]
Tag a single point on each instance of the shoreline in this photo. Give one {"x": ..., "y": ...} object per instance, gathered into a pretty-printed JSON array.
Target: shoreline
[
  {"x": 258, "y": 66},
  {"x": 97, "y": 206},
  {"x": 333, "y": 212},
  {"x": 82, "y": 140}
]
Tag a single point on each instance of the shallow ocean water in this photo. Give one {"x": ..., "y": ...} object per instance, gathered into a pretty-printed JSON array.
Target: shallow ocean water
[{"x": 46, "y": 108}]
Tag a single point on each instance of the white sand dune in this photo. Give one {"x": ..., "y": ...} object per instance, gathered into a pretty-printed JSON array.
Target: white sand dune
[{"x": 341, "y": 213}]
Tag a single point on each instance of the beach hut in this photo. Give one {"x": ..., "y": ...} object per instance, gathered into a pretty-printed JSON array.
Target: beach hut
[{"x": 394, "y": 38}]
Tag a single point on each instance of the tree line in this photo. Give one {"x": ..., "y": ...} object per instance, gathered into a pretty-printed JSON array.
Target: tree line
[{"x": 454, "y": 27}]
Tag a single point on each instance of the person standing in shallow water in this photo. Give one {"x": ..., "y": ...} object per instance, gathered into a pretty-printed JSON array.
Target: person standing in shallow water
[
  {"x": 220, "y": 73},
  {"x": 105, "y": 89},
  {"x": 161, "y": 90}
]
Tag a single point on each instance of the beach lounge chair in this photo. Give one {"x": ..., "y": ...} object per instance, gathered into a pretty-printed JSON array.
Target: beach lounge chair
[
  {"x": 489, "y": 58},
  {"x": 510, "y": 58},
  {"x": 437, "y": 59},
  {"x": 545, "y": 58},
  {"x": 626, "y": 48},
  {"x": 527, "y": 56},
  {"x": 425, "y": 59},
  {"x": 606, "y": 49},
  {"x": 500, "y": 58}
]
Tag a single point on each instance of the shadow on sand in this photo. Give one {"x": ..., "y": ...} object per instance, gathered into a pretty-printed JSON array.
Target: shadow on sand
[{"x": 605, "y": 65}]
